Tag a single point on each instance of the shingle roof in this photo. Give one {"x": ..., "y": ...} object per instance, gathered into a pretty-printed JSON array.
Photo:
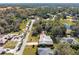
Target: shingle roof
[{"x": 46, "y": 40}]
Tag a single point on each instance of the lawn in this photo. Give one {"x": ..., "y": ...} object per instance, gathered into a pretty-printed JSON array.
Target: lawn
[
  {"x": 33, "y": 38},
  {"x": 10, "y": 44},
  {"x": 29, "y": 50},
  {"x": 67, "y": 21}
]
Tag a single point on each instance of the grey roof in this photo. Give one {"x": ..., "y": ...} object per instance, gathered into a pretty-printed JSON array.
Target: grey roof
[
  {"x": 70, "y": 40},
  {"x": 45, "y": 51}
]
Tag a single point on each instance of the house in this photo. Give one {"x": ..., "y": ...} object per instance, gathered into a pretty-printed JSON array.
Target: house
[
  {"x": 45, "y": 16},
  {"x": 44, "y": 39},
  {"x": 69, "y": 40},
  {"x": 76, "y": 30},
  {"x": 45, "y": 45},
  {"x": 45, "y": 51}
]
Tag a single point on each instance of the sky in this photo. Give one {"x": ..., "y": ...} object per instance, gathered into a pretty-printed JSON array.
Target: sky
[{"x": 39, "y": 1}]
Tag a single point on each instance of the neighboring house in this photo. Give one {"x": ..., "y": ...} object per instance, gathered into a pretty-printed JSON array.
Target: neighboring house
[
  {"x": 74, "y": 19},
  {"x": 69, "y": 39},
  {"x": 76, "y": 30}
]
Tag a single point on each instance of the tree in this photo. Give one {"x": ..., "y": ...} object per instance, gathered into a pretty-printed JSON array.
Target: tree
[{"x": 64, "y": 49}]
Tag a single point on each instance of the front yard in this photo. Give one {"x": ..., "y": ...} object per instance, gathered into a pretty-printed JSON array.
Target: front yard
[
  {"x": 10, "y": 44},
  {"x": 29, "y": 50},
  {"x": 33, "y": 38}
]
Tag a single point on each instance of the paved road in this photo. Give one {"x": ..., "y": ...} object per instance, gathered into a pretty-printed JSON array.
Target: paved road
[
  {"x": 20, "y": 52},
  {"x": 32, "y": 43}
]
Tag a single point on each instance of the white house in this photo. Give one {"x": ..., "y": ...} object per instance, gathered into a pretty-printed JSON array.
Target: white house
[{"x": 44, "y": 39}]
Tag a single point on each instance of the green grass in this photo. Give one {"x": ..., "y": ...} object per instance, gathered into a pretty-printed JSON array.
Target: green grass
[
  {"x": 10, "y": 44},
  {"x": 67, "y": 21},
  {"x": 29, "y": 50},
  {"x": 33, "y": 38}
]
